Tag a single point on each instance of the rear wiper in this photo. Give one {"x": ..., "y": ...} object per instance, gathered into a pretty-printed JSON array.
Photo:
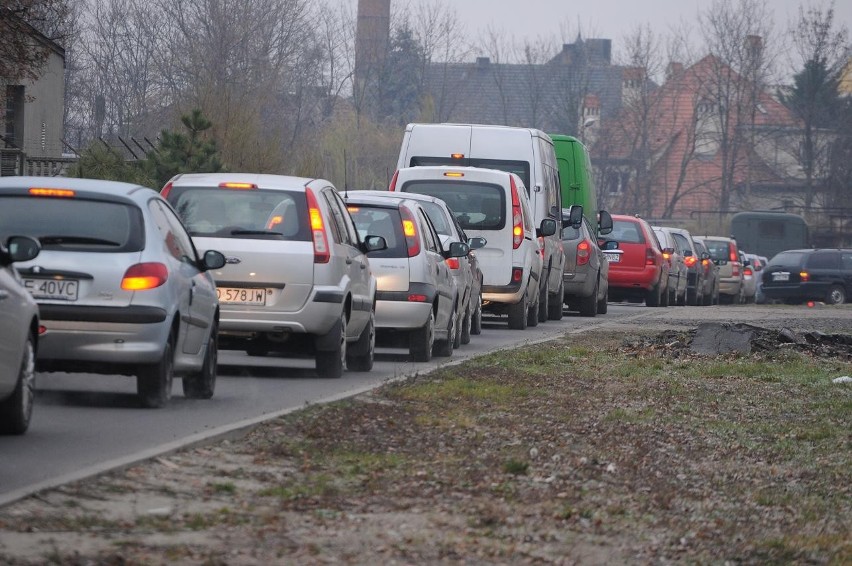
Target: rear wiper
[
  {"x": 77, "y": 240},
  {"x": 255, "y": 233}
]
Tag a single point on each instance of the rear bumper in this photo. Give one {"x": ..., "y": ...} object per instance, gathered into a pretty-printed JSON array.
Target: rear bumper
[
  {"x": 730, "y": 286},
  {"x": 103, "y": 342},
  {"x": 579, "y": 283},
  {"x": 637, "y": 279},
  {"x": 395, "y": 310},
  {"x": 803, "y": 291}
]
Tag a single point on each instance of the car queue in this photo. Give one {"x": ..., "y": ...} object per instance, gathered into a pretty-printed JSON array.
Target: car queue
[{"x": 109, "y": 277}]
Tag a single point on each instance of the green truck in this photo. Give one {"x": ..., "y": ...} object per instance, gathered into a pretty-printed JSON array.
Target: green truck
[{"x": 575, "y": 176}]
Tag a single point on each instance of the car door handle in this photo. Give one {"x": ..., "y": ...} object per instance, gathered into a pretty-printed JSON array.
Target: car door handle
[
  {"x": 363, "y": 264},
  {"x": 348, "y": 261}
]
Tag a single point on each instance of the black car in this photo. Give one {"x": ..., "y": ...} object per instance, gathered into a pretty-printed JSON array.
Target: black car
[{"x": 795, "y": 276}]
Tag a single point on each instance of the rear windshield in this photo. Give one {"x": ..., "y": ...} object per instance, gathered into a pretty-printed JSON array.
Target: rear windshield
[
  {"x": 787, "y": 259},
  {"x": 74, "y": 225},
  {"x": 231, "y": 213},
  {"x": 380, "y": 221},
  {"x": 626, "y": 231},
  {"x": 476, "y": 206},
  {"x": 718, "y": 249},
  {"x": 519, "y": 168},
  {"x": 570, "y": 233}
]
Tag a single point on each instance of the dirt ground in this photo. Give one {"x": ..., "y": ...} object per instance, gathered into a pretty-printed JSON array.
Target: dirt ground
[{"x": 637, "y": 450}]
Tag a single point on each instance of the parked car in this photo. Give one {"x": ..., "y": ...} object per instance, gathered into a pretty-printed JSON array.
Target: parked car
[
  {"x": 725, "y": 253},
  {"x": 795, "y": 276},
  {"x": 586, "y": 274},
  {"x": 427, "y": 185},
  {"x": 692, "y": 259},
  {"x": 759, "y": 264},
  {"x": 19, "y": 325},
  {"x": 417, "y": 294},
  {"x": 493, "y": 204},
  {"x": 749, "y": 279},
  {"x": 674, "y": 253},
  {"x": 120, "y": 286},
  {"x": 297, "y": 278},
  {"x": 710, "y": 276},
  {"x": 637, "y": 269}
]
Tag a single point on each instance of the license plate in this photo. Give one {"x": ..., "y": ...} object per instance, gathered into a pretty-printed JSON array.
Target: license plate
[
  {"x": 238, "y": 296},
  {"x": 612, "y": 258},
  {"x": 780, "y": 276},
  {"x": 53, "y": 289}
]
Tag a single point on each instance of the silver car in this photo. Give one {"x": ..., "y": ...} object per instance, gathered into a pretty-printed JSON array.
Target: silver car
[
  {"x": 19, "y": 326},
  {"x": 417, "y": 296},
  {"x": 119, "y": 284},
  {"x": 465, "y": 270},
  {"x": 586, "y": 273},
  {"x": 297, "y": 279}
]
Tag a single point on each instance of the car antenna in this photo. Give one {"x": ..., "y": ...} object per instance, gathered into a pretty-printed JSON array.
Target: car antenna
[{"x": 345, "y": 177}]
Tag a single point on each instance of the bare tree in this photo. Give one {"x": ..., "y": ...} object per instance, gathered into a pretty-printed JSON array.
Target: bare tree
[{"x": 24, "y": 24}]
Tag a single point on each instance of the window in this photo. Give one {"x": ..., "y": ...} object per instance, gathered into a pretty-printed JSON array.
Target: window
[
  {"x": 429, "y": 236},
  {"x": 828, "y": 260},
  {"x": 476, "y": 206},
  {"x": 683, "y": 243},
  {"x": 176, "y": 240}
]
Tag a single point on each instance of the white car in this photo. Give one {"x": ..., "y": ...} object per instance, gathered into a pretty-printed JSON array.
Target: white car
[
  {"x": 19, "y": 326},
  {"x": 417, "y": 295},
  {"x": 297, "y": 278}
]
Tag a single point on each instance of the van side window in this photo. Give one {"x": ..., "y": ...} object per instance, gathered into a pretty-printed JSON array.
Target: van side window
[
  {"x": 846, "y": 260},
  {"x": 824, "y": 261}
]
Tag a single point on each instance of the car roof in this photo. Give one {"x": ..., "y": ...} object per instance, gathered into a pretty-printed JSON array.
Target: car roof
[
  {"x": 417, "y": 196},
  {"x": 376, "y": 197},
  {"x": 474, "y": 173},
  {"x": 262, "y": 180},
  {"x": 74, "y": 183}
]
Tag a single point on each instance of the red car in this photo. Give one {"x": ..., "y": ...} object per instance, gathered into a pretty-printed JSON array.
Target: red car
[{"x": 637, "y": 270}]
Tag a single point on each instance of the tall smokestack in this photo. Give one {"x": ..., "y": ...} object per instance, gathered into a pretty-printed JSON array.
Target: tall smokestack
[{"x": 372, "y": 38}]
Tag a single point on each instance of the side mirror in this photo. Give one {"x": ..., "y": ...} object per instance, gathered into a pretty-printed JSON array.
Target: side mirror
[
  {"x": 705, "y": 255},
  {"x": 575, "y": 216},
  {"x": 212, "y": 260},
  {"x": 610, "y": 245},
  {"x": 604, "y": 223},
  {"x": 457, "y": 249},
  {"x": 547, "y": 228},
  {"x": 477, "y": 242},
  {"x": 746, "y": 262},
  {"x": 22, "y": 248},
  {"x": 554, "y": 211},
  {"x": 374, "y": 244},
  {"x": 669, "y": 251}
]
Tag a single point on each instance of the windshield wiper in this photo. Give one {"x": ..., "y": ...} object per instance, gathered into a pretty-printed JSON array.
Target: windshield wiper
[
  {"x": 255, "y": 233},
  {"x": 77, "y": 240}
]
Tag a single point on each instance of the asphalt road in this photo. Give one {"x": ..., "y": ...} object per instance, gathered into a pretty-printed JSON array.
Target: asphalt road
[{"x": 85, "y": 424}]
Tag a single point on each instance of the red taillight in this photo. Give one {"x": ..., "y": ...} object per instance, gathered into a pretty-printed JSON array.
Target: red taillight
[
  {"x": 41, "y": 329},
  {"x": 322, "y": 253},
  {"x": 748, "y": 272},
  {"x": 517, "y": 217},
  {"x": 409, "y": 230},
  {"x": 453, "y": 262},
  {"x": 164, "y": 192},
  {"x": 517, "y": 274},
  {"x": 417, "y": 298},
  {"x": 143, "y": 276},
  {"x": 584, "y": 249},
  {"x": 804, "y": 276},
  {"x": 732, "y": 252},
  {"x": 690, "y": 261},
  {"x": 650, "y": 257},
  {"x": 392, "y": 186},
  {"x": 735, "y": 269}
]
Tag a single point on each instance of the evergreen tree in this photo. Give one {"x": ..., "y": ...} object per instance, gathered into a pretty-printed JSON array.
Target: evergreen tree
[
  {"x": 192, "y": 152},
  {"x": 102, "y": 162},
  {"x": 400, "y": 81}
]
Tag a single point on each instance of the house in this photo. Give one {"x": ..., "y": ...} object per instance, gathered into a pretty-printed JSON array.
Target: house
[{"x": 31, "y": 118}]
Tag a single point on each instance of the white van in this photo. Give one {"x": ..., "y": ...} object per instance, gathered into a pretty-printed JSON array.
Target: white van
[
  {"x": 493, "y": 205},
  {"x": 526, "y": 152}
]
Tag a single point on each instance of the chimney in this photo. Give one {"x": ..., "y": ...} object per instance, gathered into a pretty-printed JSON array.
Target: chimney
[
  {"x": 754, "y": 47},
  {"x": 372, "y": 36},
  {"x": 483, "y": 62},
  {"x": 673, "y": 70}
]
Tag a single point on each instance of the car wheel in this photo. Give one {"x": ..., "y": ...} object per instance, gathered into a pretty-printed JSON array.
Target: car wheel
[
  {"x": 554, "y": 311},
  {"x": 589, "y": 305},
  {"x": 532, "y": 315},
  {"x": 421, "y": 340},
  {"x": 476, "y": 319},
  {"x": 518, "y": 314},
  {"x": 202, "y": 385},
  {"x": 257, "y": 347},
  {"x": 603, "y": 304},
  {"x": 361, "y": 354},
  {"x": 444, "y": 348},
  {"x": 467, "y": 322},
  {"x": 836, "y": 295},
  {"x": 17, "y": 410},
  {"x": 654, "y": 296},
  {"x": 681, "y": 300},
  {"x": 331, "y": 364},
  {"x": 543, "y": 304},
  {"x": 154, "y": 381},
  {"x": 460, "y": 323}
]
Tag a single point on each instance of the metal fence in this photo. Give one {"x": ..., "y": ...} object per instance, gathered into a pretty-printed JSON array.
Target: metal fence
[{"x": 14, "y": 162}]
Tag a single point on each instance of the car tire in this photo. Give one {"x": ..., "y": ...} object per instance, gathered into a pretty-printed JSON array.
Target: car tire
[
  {"x": 421, "y": 340},
  {"x": 543, "y": 304},
  {"x": 836, "y": 295},
  {"x": 361, "y": 354},
  {"x": 16, "y": 411},
  {"x": 554, "y": 311},
  {"x": 154, "y": 381},
  {"x": 681, "y": 300},
  {"x": 330, "y": 364},
  {"x": 654, "y": 297},
  {"x": 460, "y": 323},
  {"x": 257, "y": 347},
  {"x": 589, "y": 305},
  {"x": 532, "y": 314},
  {"x": 476, "y": 319},
  {"x": 202, "y": 384},
  {"x": 467, "y": 322},
  {"x": 518, "y": 314},
  {"x": 444, "y": 348},
  {"x": 603, "y": 304}
]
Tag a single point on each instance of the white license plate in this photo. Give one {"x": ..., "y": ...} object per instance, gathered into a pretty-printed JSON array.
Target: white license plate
[
  {"x": 612, "y": 258},
  {"x": 239, "y": 296},
  {"x": 53, "y": 289},
  {"x": 780, "y": 276}
]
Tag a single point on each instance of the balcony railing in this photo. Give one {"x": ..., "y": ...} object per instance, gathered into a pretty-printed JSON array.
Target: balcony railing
[{"x": 14, "y": 162}]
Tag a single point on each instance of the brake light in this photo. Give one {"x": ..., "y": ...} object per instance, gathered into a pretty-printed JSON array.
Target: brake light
[
  {"x": 164, "y": 192},
  {"x": 417, "y": 298},
  {"x": 690, "y": 261},
  {"x": 732, "y": 252},
  {"x": 517, "y": 217},
  {"x": 238, "y": 186},
  {"x": 517, "y": 274},
  {"x": 667, "y": 256},
  {"x": 584, "y": 249},
  {"x": 409, "y": 230},
  {"x": 735, "y": 269},
  {"x": 392, "y": 186},
  {"x": 143, "y": 276},
  {"x": 805, "y": 276},
  {"x": 453, "y": 174},
  {"x": 60, "y": 193},
  {"x": 453, "y": 262},
  {"x": 748, "y": 272},
  {"x": 650, "y": 257},
  {"x": 322, "y": 253},
  {"x": 42, "y": 329}
]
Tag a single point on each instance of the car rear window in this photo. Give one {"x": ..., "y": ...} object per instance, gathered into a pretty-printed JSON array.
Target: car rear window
[
  {"x": 685, "y": 246},
  {"x": 74, "y": 224},
  {"x": 380, "y": 221},
  {"x": 626, "y": 231},
  {"x": 252, "y": 213},
  {"x": 519, "y": 168},
  {"x": 476, "y": 206},
  {"x": 718, "y": 249},
  {"x": 787, "y": 259},
  {"x": 570, "y": 233}
]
